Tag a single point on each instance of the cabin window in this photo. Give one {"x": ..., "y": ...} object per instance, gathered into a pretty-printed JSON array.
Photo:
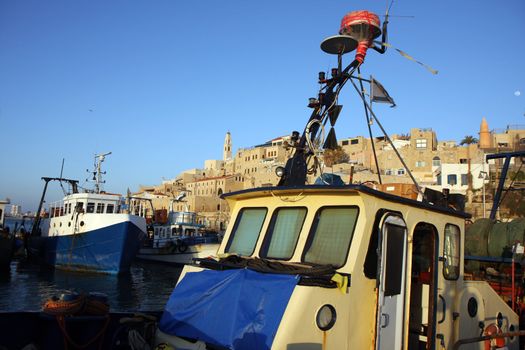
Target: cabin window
[
  {"x": 100, "y": 208},
  {"x": 110, "y": 208},
  {"x": 246, "y": 231},
  {"x": 79, "y": 207},
  {"x": 451, "y": 252},
  {"x": 330, "y": 236},
  {"x": 90, "y": 207},
  {"x": 283, "y": 232}
]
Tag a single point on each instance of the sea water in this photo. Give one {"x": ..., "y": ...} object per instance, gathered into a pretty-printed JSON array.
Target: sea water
[{"x": 26, "y": 286}]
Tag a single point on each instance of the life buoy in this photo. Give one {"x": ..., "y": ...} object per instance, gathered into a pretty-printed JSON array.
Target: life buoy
[
  {"x": 71, "y": 305},
  {"x": 182, "y": 246},
  {"x": 495, "y": 343}
]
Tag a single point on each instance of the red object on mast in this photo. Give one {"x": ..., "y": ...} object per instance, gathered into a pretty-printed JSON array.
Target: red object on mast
[{"x": 363, "y": 26}]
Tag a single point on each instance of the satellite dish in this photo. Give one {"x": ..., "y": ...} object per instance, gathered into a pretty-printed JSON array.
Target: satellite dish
[{"x": 339, "y": 44}]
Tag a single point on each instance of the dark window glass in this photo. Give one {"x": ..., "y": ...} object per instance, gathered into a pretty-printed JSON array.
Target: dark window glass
[
  {"x": 90, "y": 207},
  {"x": 110, "y": 208},
  {"x": 100, "y": 208},
  {"x": 394, "y": 259}
]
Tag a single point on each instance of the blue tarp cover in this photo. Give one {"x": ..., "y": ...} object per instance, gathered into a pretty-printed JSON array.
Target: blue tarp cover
[{"x": 236, "y": 309}]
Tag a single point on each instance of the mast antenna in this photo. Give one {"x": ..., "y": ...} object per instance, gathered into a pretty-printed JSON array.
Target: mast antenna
[{"x": 97, "y": 172}]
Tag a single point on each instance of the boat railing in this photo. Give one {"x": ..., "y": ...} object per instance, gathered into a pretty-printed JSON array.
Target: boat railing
[{"x": 178, "y": 240}]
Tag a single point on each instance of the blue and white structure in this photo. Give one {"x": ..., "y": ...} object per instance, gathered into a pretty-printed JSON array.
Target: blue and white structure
[
  {"x": 179, "y": 240},
  {"x": 93, "y": 231}
]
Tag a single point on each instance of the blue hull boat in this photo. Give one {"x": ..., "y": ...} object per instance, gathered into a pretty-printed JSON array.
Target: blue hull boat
[{"x": 109, "y": 249}]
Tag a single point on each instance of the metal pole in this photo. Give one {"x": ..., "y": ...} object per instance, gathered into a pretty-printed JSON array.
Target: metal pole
[
  {"x": 388, "y": 138},
  {"x": 483, "y": 191},
  {"x": 370, "y": 130}
]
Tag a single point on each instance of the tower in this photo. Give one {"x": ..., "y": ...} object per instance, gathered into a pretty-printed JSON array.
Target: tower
[
  {"x": 484, "y": 135},
  {"x": 227, "y": 151}
]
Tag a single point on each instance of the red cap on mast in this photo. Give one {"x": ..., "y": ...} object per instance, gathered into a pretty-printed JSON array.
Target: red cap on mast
[{"x": 363, "y": 26}]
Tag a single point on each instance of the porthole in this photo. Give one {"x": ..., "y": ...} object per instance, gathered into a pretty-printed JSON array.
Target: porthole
[
  {"x": 61, "y": 224},
  {"x": 472, "y": 307},
  {"x": 81, "y": 223},
  {"x": 326, "y": 317},
  {"x": 69, "y": 224}
]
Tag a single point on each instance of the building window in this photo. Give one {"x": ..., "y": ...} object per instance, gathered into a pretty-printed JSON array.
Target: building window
[
  {"x": 388, "y": 172},
  {"x": 451, "y": 252},
  {"x": 401, "y": 171},
  {"x": 439, "y": 180},
  {"x": 354, "y": 141},
  {"x": 421, "y": 143},
  {"x": 464, "y": 180},
  {"x": 463, "y": 161},
  {"x": 436, "y": 161},
  {"x": 420, "y": 164},
  {"x": 330, "y": 237},
  {"x": 452, "y": 179},
  {"x": 345, "y": 143}
]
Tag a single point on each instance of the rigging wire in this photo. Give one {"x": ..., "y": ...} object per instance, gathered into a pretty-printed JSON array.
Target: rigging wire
[{"x": 389, "y": 140}]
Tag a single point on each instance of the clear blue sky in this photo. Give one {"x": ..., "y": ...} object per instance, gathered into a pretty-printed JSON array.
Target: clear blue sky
[{"x": 159, "y": 83}]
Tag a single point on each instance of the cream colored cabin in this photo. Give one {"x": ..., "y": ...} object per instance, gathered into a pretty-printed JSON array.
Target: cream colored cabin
[{"x": 413, "y": 296}]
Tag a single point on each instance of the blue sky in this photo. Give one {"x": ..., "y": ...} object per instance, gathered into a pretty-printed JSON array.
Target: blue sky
[{"x": 159, "y": 83}]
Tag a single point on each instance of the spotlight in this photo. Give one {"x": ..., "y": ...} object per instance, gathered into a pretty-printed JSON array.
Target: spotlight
[{"x": 279, "y": 171}]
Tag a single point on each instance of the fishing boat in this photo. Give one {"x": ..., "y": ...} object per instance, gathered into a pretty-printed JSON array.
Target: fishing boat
[
  {"x": 339, "y": 265},
  {"x": 177, "y": 238},
  {"x": 6, "y": 240},
  {"x": 94, "y": 231}
]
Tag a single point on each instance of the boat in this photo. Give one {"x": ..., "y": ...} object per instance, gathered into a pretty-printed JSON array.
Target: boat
[
  {"x": 177, "y": 238},
  {"x": 92, "y": 231},
  {"x": 6, "y": 240},
  {"x": 339, "y": 265}
]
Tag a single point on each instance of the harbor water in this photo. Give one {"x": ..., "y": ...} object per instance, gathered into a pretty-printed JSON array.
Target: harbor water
[
  {"x": 146, "y": 287},
  {"x": 27, "y": 286}
]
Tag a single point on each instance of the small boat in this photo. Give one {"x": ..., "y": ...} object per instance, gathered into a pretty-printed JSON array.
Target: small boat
[
  {"x": 339, "y": 265},
  {"x": 7, "y": 244},
  {"x": 177, "y": 238},
  {"x": 92, "y": 231}
]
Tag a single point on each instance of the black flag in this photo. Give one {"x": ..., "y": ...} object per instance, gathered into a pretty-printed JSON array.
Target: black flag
[{"x": 379, "y": 94}]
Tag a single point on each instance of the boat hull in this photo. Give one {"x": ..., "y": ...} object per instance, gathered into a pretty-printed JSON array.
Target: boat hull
[
  {"x": 109, "y": 249},
  {"x": 6, "y": 252},
  {"x": 163, "y": 255}
]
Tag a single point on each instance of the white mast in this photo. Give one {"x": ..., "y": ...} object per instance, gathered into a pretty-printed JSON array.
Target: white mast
[{"x": 97, "y": 174}]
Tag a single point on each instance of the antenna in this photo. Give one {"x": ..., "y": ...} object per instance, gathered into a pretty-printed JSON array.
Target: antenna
[
  {"x": 61, "y": 171},
  {"x": 97, "y": 172}
]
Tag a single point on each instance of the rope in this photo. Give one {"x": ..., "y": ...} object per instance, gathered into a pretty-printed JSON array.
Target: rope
[
  {"x": 407, "y": 56},
  {"x": 67, "y": 338},
  {"x": 136, "y": 341}
]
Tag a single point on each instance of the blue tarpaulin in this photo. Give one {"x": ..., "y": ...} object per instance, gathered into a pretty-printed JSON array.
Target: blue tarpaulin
[{"x": 236, "y": 309}]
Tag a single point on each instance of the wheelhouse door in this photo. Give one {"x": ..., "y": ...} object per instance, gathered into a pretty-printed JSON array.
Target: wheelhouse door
[{"x": 391, "y": 288}]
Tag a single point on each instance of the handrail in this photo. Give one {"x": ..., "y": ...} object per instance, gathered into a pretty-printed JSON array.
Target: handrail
[{"x": 487, "y": 337}]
